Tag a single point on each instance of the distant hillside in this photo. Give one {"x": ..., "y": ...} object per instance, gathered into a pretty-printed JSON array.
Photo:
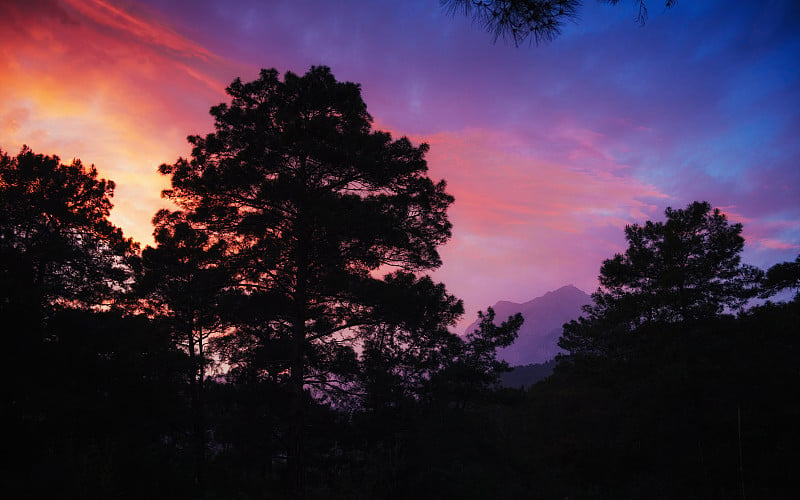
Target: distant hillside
[
  {"x": 526, "y": 376},
  {"x": 544, "y": 317}
]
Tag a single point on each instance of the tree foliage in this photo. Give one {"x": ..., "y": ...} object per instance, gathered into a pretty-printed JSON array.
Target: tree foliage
[
  {"x": 182, "y": 285},
  {"x": 521, "y": 20},
  {"x": 782, "y": 276},
  {"x": 98, "y": 399},
  {"x": 182, "y": 278},
  {"x": 57, "y": 246},
  {"x": 518, "y": 20},
  {"x": 312, "y": 203},
  {"x": 58, "y": 250},
  {"x": 411, "y": 355},
  {"x": 88, "y": 391},
  {"x": 408, "y": 342},
  {"x": 473, "y": 368},
  {"x": 684, "y": 269}
]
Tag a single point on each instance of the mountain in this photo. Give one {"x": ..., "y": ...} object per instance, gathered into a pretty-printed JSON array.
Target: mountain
[
  {"x": 544, "y": 317},
  {"x": 526, "y": 376}
]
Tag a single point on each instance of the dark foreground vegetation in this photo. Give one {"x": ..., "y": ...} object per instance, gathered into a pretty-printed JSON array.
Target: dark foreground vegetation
[{"x": 253, "y": 352}]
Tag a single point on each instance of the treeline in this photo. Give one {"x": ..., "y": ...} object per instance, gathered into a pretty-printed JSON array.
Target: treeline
[{"x": 280, "y": 339}]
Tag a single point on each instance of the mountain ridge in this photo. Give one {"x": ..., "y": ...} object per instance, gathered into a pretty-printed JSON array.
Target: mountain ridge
[{"x": 544, "y": 318}]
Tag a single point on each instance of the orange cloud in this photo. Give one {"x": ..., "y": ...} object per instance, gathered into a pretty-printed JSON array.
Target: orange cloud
[{"x": 87, "y": 79}]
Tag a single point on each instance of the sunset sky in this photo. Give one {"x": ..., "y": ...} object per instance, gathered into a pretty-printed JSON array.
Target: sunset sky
[{"x": 549, "y": 150}]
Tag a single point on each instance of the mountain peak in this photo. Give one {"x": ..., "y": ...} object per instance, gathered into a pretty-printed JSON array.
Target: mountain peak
[
  {"x": 504, "y": 303},
  {"x": 566, "y": 292},
  {"x": 544, "y": 318}
]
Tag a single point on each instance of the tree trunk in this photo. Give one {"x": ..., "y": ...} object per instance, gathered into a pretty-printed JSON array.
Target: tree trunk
[
  {"x": 296, "y": 452},
  {"x": 199, "y": 416},
  {"x": 196, "y": 395}
]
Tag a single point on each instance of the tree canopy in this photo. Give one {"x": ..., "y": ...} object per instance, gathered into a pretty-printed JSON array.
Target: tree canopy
[
  {"x": 182, "y": 284},
  {"x": 782, "y": 276},
  {"x": 57, "y": 246},
  {"x": 684, "y": 269},
  {"x": 182, "y": 281},
  {"x": 312, "y": 204}
]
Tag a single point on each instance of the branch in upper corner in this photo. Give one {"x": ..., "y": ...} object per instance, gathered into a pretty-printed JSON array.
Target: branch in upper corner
[
  {"x": 532, "y": 20},
  {"x": 518, "y": 20}
]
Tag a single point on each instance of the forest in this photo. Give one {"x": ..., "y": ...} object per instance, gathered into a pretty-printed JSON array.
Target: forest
[{"x": 283, "y": 339}]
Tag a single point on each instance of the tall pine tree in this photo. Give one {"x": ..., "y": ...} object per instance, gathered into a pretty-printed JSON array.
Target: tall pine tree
[{"x": 313, "y": 205}]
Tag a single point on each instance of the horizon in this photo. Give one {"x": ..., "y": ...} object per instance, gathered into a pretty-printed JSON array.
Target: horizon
[{"x": 549, "y": 150}]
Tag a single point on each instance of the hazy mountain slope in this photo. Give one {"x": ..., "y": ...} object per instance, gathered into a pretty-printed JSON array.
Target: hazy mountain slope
[{"x": 544, "y": 317}]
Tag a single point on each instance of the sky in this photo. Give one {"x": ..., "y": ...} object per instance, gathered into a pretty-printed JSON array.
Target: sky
[{"x": 549, "y": 150}]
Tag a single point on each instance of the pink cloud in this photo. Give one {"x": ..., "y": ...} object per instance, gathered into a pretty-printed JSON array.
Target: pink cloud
[
  {"x": 498, "y": 180},
  {"x": 777, "y": 244},
  {"x": 146, "y": 30},
  {"x": 525, "y": 223}
]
